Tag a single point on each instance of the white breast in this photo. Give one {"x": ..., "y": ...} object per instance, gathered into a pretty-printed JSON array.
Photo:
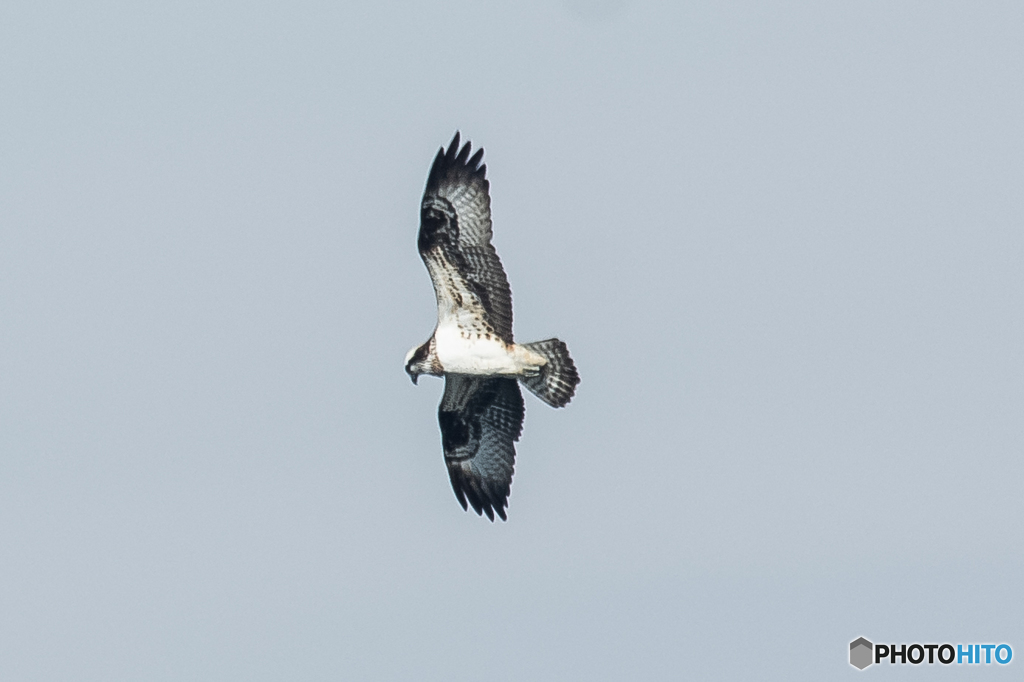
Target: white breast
[{"x": 461, "y": 352}]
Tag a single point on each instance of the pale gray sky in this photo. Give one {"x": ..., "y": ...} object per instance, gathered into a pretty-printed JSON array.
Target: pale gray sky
[{"x": 784, "y": 244}]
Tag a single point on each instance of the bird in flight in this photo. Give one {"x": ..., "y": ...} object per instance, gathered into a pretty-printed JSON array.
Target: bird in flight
[{"x": 481, "y": 412}]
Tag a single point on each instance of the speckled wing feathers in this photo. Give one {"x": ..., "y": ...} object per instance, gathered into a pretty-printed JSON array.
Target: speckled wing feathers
[
  {"x": 481, "y": 418},
  {"x": 455, "y": 239}
]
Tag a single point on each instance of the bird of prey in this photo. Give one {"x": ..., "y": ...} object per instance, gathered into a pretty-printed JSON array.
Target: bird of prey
[{"x": 481, "y": 412}]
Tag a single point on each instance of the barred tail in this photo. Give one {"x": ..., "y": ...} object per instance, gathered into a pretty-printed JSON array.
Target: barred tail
[{"x": 556, "y": 383}]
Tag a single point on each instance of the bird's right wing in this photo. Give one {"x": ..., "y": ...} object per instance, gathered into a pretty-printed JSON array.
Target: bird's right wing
[
  {"x": 481, "y": 418},
  {"x": 455, "y": 242}
]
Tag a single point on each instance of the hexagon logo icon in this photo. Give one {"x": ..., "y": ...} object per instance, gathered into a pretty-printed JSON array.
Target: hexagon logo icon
[{"x": 860, "y": 653}]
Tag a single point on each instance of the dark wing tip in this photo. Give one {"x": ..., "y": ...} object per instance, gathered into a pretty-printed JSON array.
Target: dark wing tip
[
  {"x": 474, "y": 162},
  {"x": 461, "y": 498},
  {"x": 451, "y": 156},
  {"x": 463, "y": 156},
  {"x": 455, "y": 161},
  {"x": 471, "y": 492}
]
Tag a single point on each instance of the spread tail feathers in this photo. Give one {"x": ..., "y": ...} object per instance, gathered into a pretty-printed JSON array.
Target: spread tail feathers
[{"x": 556, "y": 383}]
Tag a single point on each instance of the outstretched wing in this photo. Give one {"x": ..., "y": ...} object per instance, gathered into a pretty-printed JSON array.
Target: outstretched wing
[
  {"x": 455, "y": 243},
  {"x": 481, "y": 418}
]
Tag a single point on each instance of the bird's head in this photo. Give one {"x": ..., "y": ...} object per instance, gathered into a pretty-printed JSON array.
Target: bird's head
[{"x": 416, "y": 362}]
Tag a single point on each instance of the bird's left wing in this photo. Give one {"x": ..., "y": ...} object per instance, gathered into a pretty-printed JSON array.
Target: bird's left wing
[{"x": 481, "y": 418}]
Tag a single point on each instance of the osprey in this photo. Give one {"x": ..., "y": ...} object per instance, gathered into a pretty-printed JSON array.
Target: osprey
[{"x": 481, "y": 412}]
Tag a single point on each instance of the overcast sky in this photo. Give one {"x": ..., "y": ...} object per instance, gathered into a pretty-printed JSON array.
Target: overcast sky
[{"x": 785, "y": 245}]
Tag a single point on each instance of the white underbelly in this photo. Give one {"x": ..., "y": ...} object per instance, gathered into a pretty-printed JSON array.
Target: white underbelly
[{"x": 461, "y": 355}]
